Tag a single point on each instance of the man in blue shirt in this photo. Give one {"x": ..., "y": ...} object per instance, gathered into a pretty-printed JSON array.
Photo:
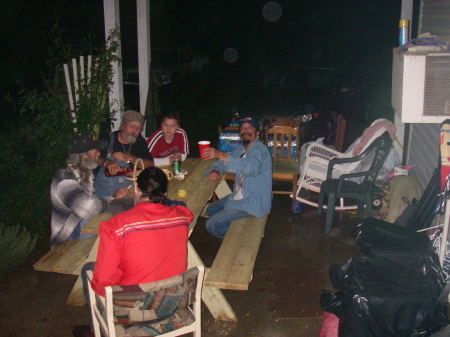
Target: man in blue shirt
[{"x": 252, "y": 192}]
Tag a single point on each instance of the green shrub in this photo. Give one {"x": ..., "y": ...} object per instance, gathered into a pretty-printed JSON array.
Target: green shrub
[
  {"x": 15, "y": 245},
  {"x": 37, "y": 144}
]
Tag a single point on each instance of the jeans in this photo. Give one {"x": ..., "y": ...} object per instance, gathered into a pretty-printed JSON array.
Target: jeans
[
  {"x": 107, "y": 186},
  {"x": 76, "y": 234},
  {"x": 220, "y": 218}
]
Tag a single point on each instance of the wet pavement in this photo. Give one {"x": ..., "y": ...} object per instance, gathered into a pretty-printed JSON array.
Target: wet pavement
[
  {"x": 290, "y": 271},
  {"x": 282, "y": 300}
]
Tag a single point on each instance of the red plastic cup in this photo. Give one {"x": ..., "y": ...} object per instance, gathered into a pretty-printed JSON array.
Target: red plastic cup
[{"x": 203, "y": 144}]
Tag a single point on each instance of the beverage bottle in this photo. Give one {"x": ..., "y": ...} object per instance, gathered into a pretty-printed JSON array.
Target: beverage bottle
[
  {"x": 403, "y": 29},
  {"x": 122, "y": 171},
  {"x": 177, "y": 163}
]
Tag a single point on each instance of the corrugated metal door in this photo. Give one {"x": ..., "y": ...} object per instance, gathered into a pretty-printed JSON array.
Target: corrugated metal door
[{"x": 423, "y": 151}]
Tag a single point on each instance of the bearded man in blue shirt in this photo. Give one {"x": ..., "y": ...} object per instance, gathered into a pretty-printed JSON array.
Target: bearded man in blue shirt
[{"x": 252, "y": 192}]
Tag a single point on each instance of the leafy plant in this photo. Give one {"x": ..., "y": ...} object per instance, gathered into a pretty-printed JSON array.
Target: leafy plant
[
  {"x": 35, "y": 147},
  {"x": 16, "y": 243},
  {"x": 93, "y": 110}
]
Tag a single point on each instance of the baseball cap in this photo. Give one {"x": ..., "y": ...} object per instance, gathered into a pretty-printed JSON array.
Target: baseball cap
[
  {"x": 132, "y": 116},
  {"x": 253, "y": 122},
  {"x": 84, "y": 142}
]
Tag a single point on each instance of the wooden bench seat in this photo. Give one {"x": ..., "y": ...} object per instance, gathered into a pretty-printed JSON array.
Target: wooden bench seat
[
  {"x": 233, "y": 266},
  {"x": 66, "y": 258}
]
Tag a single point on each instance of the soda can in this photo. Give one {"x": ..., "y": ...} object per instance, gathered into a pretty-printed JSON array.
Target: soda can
[{"x": 176, "y": 167}]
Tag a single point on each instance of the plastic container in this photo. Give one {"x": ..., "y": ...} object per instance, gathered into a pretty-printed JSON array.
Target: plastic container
[{"x": 403, "y": 30}]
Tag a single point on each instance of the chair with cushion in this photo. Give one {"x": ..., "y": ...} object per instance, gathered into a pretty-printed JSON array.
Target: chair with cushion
[
  {"x": 342, "y": 187},
  {"x": 283, "y": 141},
  {"x": 169, "y": 307},
  {"x": 314, "y": 165}
]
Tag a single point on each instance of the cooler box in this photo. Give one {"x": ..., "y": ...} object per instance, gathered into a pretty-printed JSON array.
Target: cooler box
[{"x": 229, "y": 140}]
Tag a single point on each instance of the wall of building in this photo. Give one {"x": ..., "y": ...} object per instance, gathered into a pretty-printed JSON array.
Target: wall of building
[
  {"x": 423, "y": 139},
  {"x": 423, "y": 151},
  {"x": 435, "y": 17}
]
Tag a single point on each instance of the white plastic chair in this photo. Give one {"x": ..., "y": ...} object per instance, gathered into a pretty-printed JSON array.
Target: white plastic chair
[
  {"x": 168, "y": 303},
  {"x": 314, "y": 170}
]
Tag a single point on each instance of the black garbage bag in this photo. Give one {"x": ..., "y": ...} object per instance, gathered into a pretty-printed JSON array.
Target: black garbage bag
[
  {"x": 391, "y": 287},
  {"x": 391, "y": 315},
  {"x": 334, "y": 303}
]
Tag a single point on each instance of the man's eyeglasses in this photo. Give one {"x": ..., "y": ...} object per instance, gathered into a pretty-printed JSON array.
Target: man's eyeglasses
[{"x": 134, "y": 127}]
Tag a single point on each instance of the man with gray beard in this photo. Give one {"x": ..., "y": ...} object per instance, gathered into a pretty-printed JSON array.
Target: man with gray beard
[
  {"x": 71, "y": 192},
  {"x": 124, "y": 147}
]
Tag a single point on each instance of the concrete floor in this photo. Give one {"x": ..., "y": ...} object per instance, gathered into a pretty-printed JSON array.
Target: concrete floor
[
  {"x": 283, "y": 298},
  {"x": 290, "y": 272}
]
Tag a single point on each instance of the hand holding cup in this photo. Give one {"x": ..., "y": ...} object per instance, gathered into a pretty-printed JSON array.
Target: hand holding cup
[{"x": 202, "y": 146}]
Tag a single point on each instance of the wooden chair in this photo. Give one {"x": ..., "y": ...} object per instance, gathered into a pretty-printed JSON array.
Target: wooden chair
[
  {"x": 280, "y": 138},
  {"x": 340, "y": 133},
  {"x": 162, "y": 307},
  {"x": 283, "y": 122}
]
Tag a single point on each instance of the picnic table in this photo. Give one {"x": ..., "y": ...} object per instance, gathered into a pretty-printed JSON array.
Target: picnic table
[{"x": 70, "y": 256}]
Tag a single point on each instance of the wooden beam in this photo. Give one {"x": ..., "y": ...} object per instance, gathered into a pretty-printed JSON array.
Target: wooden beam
[
  {"x": 112, "y": 19},
  {"x": 144, "y": 55}
]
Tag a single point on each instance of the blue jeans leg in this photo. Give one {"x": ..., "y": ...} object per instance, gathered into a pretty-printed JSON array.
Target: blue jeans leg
[
  {"x": 76, "y": 234},
  {"x": 220, "y": 218},
  {"x": 216, "y": 206}
]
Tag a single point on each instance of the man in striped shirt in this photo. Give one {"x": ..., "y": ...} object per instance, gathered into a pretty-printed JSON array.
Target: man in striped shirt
[{"x": 71, "y": 191}]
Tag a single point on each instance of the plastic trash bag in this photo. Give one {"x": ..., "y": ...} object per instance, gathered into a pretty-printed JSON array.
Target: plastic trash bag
[
  {"x": 391, "y": 287},
  {"x": 334, "y": 302}
]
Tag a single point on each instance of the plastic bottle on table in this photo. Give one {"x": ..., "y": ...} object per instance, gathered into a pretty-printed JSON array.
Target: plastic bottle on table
[{"x": 177, "y": 163}]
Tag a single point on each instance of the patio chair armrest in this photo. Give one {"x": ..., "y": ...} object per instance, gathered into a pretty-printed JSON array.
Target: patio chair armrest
[
  {"x": 322, "y": 151},
  {"x": 340, "y": 161},
  {"x": 358, "y": 174}
]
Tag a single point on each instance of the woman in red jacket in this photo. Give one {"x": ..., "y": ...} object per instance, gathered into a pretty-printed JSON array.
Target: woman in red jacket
[{"x": 144, "y": 244}]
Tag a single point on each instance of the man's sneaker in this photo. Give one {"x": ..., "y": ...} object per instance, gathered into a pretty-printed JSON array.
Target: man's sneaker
[{"x": 203, "y": 214}]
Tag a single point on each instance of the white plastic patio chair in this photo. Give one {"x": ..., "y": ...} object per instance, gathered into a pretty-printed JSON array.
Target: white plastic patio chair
[{"x": 314, "y": 170}]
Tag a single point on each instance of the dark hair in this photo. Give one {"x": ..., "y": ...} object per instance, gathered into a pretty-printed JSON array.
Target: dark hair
[
  {"x": 173, "y": 114},
  {"x": 152, "y": 182}
]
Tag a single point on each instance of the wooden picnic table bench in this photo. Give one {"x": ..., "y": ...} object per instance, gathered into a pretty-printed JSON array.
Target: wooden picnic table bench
[
  {"x": 66, "y": 258},
  {"x": 233, "y": 266},
  {"x": 70, "y": 256}
]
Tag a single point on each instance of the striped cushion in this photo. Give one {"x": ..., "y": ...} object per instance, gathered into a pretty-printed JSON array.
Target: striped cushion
[{"x": 154, "y": 308}]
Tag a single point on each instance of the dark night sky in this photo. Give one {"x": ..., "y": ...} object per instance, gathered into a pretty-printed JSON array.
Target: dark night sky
[{"x": 350, "y": 33}]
